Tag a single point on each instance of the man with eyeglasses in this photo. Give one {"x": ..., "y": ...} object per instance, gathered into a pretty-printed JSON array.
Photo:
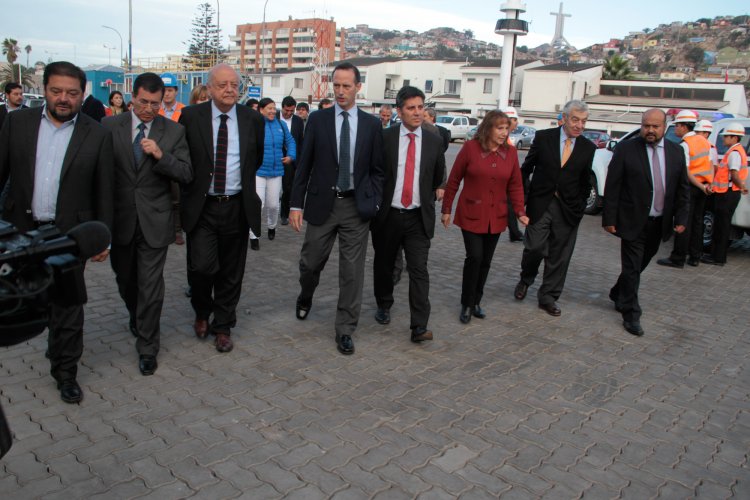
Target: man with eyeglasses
[
  {"x": 150, "y": 153},
  {"x": 220, "y": 205},
  {"x": 59, "y": 164}
]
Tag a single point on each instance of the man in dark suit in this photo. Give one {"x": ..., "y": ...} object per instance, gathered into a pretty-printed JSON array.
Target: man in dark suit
[
  {"x": 430, "y": 117},
  {"x": 220, "y": 205},
  {"x": 339, "y": 182},
  {"x": 296, "y": 127},
  {"x": 560, "y": 162},
  {"x": 93, "y": 107},
  {"x": 150, "y": 151},
  {"x": 13, "y": 100},
  {"x": 414, "y": 167},
  {"x": 59, "y": 163},
  {"x": 647, "y": 194}
]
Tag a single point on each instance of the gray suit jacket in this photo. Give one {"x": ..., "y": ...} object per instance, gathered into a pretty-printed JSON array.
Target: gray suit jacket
[
  {"x": 142, "y": 192},
  {"x": 85, "y": 190}
]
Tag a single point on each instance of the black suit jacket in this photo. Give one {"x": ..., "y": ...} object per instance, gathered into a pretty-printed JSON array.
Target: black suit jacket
[
  {"x": 143, "y": 192},
  {"x": 431, "y": 174},
  {"x": 570, "y": 184},
  {"x": 4, "y": 112},
  {"x": 200, "y": 138},
  {"x": 93, "y": 107},
  {"x": 314, "y": 185},
  {"x": 86, "y": 186},
  {"x": 630, "y": 187}
]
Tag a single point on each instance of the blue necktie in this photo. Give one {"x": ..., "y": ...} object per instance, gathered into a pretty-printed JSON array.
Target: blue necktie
[
  {"x": 344, "y": 180},
  {"x": 137, "y": 149}
]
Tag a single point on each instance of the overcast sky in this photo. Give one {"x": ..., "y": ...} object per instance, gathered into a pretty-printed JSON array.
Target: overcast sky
[{"x": 71, "y": 29}]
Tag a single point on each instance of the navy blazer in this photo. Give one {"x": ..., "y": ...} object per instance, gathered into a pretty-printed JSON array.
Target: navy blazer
[
  {"x": 630, "y": 187},
  {"x": 314, "y": 187}
]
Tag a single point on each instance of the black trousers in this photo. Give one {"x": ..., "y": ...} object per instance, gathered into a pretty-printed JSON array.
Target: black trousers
[
  {"x": 403, "y": 228},
  {"x": 286, "y": 188},
  {"x": 690, "y": 241},
  {"x": 551, "y": 239},
  {"x": 514, "y": 233},
  {"x": 65, "y": 340},
  {"x": 480, "y": 248},
  {"x": 634, "y": 258},
  {"x": 218, "y": 250},
  {"x": 724, "y": 206},
  {"x": 139, "y": 271}
]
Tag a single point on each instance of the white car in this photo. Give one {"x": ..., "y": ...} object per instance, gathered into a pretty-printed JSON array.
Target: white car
[
  {"x": 741, "y": 219},
  {"x": 457, "y": 125}
]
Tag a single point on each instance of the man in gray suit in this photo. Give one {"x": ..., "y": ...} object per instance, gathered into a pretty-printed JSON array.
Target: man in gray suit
[
  {"x": 150, "y": 151},
  {"x": 59, "y": 165}
]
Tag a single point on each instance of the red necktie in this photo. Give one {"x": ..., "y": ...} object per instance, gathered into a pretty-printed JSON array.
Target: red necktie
[
  {"x": 220, "y": 164},
  {"x": 406, "y": 193}
]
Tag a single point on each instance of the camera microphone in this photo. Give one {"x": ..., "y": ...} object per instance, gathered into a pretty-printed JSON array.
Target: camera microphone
[{"x": 85, "y": 240}]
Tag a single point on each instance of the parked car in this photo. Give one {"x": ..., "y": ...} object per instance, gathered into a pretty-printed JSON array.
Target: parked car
[
  {"x": 522, "y": 136},
  {"x": 457, "y": 125},
  {"x": 599, "y": 138},
  {"x": 472, "y": 133},
  {"x": 741, "y": 219}
]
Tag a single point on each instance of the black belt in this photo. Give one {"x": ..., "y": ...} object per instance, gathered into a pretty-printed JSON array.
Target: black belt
[
  {"x": 40, "y": 223},
  {"x": 221, "y": 198},
  {"x": 345, "y": 194},
  {"x": 405, "y": 210}
]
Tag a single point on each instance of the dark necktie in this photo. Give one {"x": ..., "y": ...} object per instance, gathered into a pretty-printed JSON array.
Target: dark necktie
[
  {"x": 344, "y": 180},
  {"x": 220, "y": 164},
  {"x": 658, "y": 183},
  {"x": 137, "y": 148},
  {"x": 406, "y": 192}
]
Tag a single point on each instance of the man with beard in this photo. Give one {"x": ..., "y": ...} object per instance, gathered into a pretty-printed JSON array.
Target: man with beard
[{"x": 59, "y": 162}]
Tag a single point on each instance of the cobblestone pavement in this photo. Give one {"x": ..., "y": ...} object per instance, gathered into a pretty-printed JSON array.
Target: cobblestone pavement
[{"x": 518, "y": 405}]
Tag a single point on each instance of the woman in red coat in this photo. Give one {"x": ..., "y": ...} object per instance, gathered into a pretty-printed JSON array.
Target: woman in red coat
[{"x": 489, "y": 168}]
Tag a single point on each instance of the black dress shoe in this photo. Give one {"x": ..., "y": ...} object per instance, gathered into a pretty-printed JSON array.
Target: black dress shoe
[
  {"x": 633, "y": 327},
  {"x": 707, "y": 259},
  {"x": 383, "y": 316},
  {"x": 693, "y": 261},
  {"x": 345, "y": 344},
  {"x": 147, "y": 364},
  {"x": 552, "y": 308},
  {"x": 303, "y": 308},
  {"x": 465, "y": 315},
  {"x": 420, "y": 334},
  {"x": 70, "y": 391},
  {"x": 255, "y": 244},
  {"x": 271, "y": 234},
  {"x": 478, "y": 312},
  {"x": 521, "y": 290},
  {"x": 670, "y": 263}
]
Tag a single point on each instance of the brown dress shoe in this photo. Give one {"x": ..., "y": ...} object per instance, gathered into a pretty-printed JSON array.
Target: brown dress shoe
[
  {"x": 552, "y": 309},
  {"x": 201, "y": 328},
  {"x": 223, "y": 343},
  {"x": 420, "y": 334}
]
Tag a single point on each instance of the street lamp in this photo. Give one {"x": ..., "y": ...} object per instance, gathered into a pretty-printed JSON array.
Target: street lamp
[
  {"x": 51, "y": 55},
  {"x": 118, "y": 34},
  {"x": 263, "y": 44},
  {"x": 109, "y": 53}
]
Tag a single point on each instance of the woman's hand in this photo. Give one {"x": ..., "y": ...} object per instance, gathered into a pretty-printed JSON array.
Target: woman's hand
[
  {"x": 446, "y": 220},
  {"x": 286, "y": 160},
  {"x": 524, "y": 220}
]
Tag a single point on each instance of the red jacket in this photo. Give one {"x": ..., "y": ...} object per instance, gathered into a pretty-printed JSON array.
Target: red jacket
[{"x": 489, "y": 181}]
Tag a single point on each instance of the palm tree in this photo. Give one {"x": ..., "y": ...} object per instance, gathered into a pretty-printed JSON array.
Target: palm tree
[
  {"x": 10, "y": 72},
  {"x": 10, "y": 49},
  {"x": 28, "y": 51},
  {"x": 616, "y": 68}
]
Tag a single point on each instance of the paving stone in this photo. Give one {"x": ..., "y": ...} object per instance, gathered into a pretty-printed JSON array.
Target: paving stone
[
  {"x": 327, "y": 482},
  {"x": 174, "y": 490},
  {"x": 454, "y": 458},
  {"x": 130, "y": 489},
  {"x": 153, "y": 474},
  {"x": 282, "y": 480}
]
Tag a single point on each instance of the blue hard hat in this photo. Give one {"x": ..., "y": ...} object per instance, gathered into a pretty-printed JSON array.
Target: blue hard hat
[{"x": 169, "y": 80}]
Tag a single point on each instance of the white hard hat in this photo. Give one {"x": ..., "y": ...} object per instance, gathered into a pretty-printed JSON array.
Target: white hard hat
[
  {"x": 686, "y": 116},
  {"x": 734, "y": 128},
  {"x": 511, "y": 112},
  {"x": 703, "y": 126}
]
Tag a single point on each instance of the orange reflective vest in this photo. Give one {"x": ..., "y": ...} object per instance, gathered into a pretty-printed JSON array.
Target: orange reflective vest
[
  {"x": 177, "y": 111},
  {"x": 722, "y": 179},
  {"x": 700, "y": 158}
]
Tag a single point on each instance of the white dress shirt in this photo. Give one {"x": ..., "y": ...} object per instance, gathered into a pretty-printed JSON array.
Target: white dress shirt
[
  {"x": 403, "y": 146},
  {"x": 234, "y": 176}
]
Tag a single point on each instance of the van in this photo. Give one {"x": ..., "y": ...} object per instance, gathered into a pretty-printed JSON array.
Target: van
[{"x": 457, "y": 125}]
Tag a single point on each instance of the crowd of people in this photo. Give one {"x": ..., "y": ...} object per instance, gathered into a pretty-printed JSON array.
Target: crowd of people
[{"x": 154, "y": 168}]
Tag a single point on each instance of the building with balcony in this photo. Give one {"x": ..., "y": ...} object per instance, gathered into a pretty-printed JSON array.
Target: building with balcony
[{"x": 285, "y": 45}]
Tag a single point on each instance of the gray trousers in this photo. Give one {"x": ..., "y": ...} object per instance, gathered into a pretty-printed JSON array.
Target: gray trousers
[
  {"x": 550, "y": 239},
  {"x": 352, "y": 232}
]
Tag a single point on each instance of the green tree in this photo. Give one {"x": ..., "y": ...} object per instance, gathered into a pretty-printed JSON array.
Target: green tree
[
  {"x": 469, "y": 34},
  {"x": 443, "y": 52},
  {"x": 694, "y": 55},
  {"x": 523, "y": 49},
  {"x": 11, "y": 49},
  {"x": 27, "y": 49},
  {"x": 9, "y": 73},
  {"x": 616, "y": 67},
  {"x": 204, "y": 47}
]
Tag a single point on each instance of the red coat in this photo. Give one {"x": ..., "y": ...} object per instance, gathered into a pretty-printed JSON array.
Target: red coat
[{"x": 489, "y": 181}]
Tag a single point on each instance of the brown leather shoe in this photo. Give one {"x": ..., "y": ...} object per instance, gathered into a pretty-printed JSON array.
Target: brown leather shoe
[
  {"x": 223, "y": 343},
  {"x": 420, "y": 334},
  {"x": 201, "y": 328},
  {"x": 552, "y": 309}
]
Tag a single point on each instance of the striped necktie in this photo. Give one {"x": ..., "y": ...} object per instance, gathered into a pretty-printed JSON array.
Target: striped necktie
[{"x": 220, "y": 164}]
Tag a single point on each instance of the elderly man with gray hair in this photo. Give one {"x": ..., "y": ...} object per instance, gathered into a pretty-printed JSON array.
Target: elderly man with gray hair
[{"x": 560, "y": 160}]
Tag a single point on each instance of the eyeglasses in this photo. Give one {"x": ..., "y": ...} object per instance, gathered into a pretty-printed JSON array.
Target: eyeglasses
[{"x": 151, "y": 104}]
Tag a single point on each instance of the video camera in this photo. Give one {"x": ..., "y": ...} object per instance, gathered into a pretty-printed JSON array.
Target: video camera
[{"x": 42, "y": 266}]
